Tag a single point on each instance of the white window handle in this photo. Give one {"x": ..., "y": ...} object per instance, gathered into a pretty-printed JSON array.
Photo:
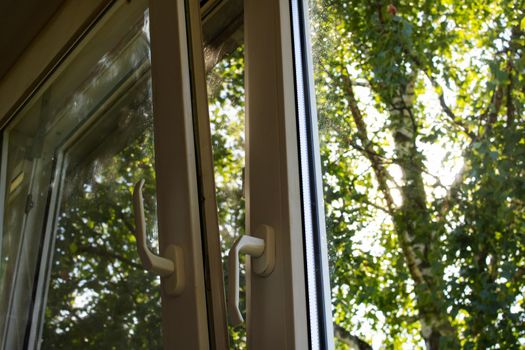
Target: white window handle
[
  {"x": 170, "y": 267},
  {"x": 262, "y": 251}
]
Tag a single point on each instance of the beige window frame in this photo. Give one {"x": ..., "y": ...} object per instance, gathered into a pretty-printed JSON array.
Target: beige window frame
[
  {"x": 175, "y": 42},
  {"x": 290, "y": 308}
]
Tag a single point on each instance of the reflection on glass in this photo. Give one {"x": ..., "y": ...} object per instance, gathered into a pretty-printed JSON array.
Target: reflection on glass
[
  {"x": 70, "y": 276},
  {"x": 25, "y": 190},
  {"x": 422, "y": 145},
  {"x": 99, "y": 295},
  {"x": 226, "y": 107}
]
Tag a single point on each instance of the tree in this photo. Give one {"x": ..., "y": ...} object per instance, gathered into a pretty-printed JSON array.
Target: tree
[{"x": 402, "y": 86}]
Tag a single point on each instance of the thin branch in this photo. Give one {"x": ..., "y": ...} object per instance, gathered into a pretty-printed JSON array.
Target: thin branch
[
  {"x": 512, "y": 49},
  {"x": 493, "y": 109},
  {"x": 379, "y": 169},
  {"x": 381, "y": 176},
  {"x": 437, "y": 180},
  {"x": 510, "y": 105},
  {"x": 441, "y": 97},
  {"x": 376, "y": 206},
  {"x": 349, "y": 339},
  {"x": 451, "y": 116},
  {"x": 110, "y": 255},
  {"x": 369, "y": 151},
  {"x": 453, "y": 191},
  {"x": 520, "y": 273}
]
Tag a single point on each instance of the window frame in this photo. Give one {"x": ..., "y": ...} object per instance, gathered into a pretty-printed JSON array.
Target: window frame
[
  {"x": 179, "y": 98},
  {"x": 277, "y": 304},
  {"x": 316, "y": 245},
  {"x": 290, "y": 309}
]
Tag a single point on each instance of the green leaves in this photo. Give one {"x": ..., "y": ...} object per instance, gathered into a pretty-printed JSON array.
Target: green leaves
[{"x": 452, "y": 155}]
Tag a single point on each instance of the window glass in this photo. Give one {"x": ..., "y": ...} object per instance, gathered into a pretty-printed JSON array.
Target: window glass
[
  {"x": 225, "y": 81},
  {"x": 70, "y": 275},
  {"x": 96, "y": 279},
  {"x": 421, "y": 128}
]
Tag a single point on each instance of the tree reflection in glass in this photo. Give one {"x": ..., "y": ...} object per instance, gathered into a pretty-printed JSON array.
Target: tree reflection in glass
[{"x": 99, "y": 295}]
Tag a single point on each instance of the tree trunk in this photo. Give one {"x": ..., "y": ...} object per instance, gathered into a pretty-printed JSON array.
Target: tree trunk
[{"x": 419, "y": 237}]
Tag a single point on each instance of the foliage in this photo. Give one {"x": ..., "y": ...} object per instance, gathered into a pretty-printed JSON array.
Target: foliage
[
  {"x": 226, "y": 108},
  {"x": 422, "y": 130}
]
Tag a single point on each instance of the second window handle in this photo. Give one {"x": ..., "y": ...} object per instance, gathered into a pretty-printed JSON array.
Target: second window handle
[{"x": 262, "y": 252}]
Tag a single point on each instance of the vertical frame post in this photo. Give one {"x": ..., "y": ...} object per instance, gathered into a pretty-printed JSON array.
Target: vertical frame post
[
  {"x": 290, "y": 309},
  {"x": 184, "y": 317},
  {"x": 316, "y": 247},
  {"x": 213, "y": 273},
  {"x": 277, "y": 315}
]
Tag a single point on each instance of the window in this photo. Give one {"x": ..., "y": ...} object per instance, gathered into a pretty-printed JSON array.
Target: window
[
  {"x": 205, "y": 140},
  {"x": 70, "y": 275},
  {"x": 92, "y": 125},
  {"x": 130, "y": 103}
]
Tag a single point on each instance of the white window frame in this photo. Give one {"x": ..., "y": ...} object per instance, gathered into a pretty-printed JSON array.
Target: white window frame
[{"x": 290, "y": 308}]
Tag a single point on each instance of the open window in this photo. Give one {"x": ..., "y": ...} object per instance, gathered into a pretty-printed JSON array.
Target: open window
[
  {"x": 229, "y": 167},
  {"x": 106, "y": 118}
]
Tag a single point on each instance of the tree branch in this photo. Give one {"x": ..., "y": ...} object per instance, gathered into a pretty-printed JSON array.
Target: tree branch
[
  {"x": 349, "y": 339},
  {"x": 377, "y": 165},
  {"x": 438, "y": 89},
  {"x": 382, "y": 177},
  {"x": 126, "y": 223},
  {"x": 109, "y": 255},
  {"x": 510, "y": 103},
  {"x": 453, "y": 191},
  {"x": 493, "y": 109},
  {"x": 511, "y": 109}
]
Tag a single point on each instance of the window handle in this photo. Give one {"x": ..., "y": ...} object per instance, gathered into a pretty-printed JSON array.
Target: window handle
[
  {"x": 170, "y": 266},
  {"x": 262, "y": 251}
]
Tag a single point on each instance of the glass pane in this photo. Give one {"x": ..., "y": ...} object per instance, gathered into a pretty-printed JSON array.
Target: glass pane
[
  {"x": 421, "y": 118},
  {"x": 100, "y": 295},
  {"x": 226, "y": 107},
  {"x": 25, "y": 186},
  {"x": 70, "y": 272}
]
